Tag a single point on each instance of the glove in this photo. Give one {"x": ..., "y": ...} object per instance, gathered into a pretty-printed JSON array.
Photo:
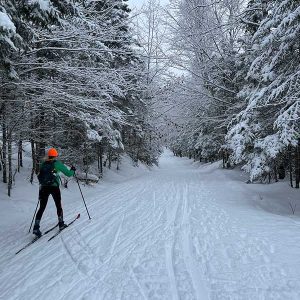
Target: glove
[{"x": 73, "y": 168}]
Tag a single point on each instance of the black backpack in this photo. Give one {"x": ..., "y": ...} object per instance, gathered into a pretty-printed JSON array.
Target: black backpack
[{"x": 47, "y": 175}]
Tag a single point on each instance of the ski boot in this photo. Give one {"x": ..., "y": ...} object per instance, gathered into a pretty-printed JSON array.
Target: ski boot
[
  {"x": 62, "y": 225},
  {"x": 36, "y": 229}
]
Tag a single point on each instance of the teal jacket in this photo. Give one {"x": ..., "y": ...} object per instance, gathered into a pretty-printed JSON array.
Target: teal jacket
[{"x": 60, "y": 167}]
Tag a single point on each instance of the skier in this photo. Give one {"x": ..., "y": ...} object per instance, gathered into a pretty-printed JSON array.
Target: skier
[{"x": 49, "y": 185}]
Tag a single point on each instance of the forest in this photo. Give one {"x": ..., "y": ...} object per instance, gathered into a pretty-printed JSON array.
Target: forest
[
  {"x": 242, "y": 93},
  {"x": 208, "y": 79},
  {"x": 71, "y": 79}
]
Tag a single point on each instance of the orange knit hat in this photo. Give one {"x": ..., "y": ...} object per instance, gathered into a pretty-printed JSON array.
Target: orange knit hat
[{"x": 52, "y": 152}]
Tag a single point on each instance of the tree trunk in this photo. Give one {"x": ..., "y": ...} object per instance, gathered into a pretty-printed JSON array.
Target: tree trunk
[
  {"x": 275, "y": 174},
  {"x": 36, "y": 158},
  {"x": 42, "y": 143},
  {"x": 20, "y": 155},
  {"x": 100, "y": 160},
  {"x": 290, "y": 166},
  {"x": 118, "y": 161},
  {"x": 297, "y": 165},
  {"x": 4, "y": 149},
  {"x": 85, "y": 158},
  {"x": 1, "y": 160},
  {"x": 109, "y": 158},
  {"x": 33, "y": 156},
  {"x": 281, "y": 172},
  {"x": 10, "y": 175}
]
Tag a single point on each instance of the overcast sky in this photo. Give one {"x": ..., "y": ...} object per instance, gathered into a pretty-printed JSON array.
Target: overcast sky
[
  {"x": 133, "y": 3},
  {"x": 139, "y": 3}
]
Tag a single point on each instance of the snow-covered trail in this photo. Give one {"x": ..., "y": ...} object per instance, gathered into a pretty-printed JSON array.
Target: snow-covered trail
[{"x": 177, "y": 232}]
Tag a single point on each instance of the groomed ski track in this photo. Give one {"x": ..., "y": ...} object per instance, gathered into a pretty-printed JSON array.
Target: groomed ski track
[{"x": 172, "y": 233}]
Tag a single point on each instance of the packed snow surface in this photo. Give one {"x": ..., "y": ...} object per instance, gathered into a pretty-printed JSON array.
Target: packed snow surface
[{"x": 180, "y": 231}]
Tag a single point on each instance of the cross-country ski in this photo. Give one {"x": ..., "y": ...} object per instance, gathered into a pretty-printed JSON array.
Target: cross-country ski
[
  {"x": 60, "y": 230},
  {"x": 36, "y": 238}
]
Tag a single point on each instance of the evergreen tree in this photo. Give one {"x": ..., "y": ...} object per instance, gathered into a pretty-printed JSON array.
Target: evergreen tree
[
  {"x": 241, "y": 132},
  {"x": 269, "y": 124},
  {"x": 19, "y": 21}
]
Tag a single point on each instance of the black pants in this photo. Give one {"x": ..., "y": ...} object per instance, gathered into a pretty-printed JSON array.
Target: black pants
[{"x": 45, "y": 192}]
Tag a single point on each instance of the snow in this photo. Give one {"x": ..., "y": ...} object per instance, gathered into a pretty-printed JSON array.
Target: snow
[
  {"x": 94, "y": 135},
  {"x": 6, "y": 23},
  {"x": 179, "y": 231},
  {"x": 89, "y": 177},
  {"x": 43, "y": 4}
]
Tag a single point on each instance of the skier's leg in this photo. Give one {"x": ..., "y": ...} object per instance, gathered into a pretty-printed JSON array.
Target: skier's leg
[
  {"x": 57, "y": 199},
  {"x": 43, "y": 199},
  {"x": 55, "y": 192}
]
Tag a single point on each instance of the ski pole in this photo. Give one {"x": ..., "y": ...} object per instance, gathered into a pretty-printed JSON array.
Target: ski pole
[
  {"x": 34, "y": 215},
  {"x": 82, "y": 197}
]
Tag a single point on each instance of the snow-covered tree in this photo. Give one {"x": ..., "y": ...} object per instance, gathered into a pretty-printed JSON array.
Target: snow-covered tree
[
  {"x": 19, "y": 21},
  {"x": 78, "y": 87},
  {"x": 270, "y": 122},
  {"x": 206, "y": 43}
]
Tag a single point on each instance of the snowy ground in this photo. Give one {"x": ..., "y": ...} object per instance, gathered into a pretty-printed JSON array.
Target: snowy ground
[{"x": 180, "y": 231}]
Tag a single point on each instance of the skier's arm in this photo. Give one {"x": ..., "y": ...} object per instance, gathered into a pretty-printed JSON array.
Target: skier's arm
[{"x": 60, "y": 167}]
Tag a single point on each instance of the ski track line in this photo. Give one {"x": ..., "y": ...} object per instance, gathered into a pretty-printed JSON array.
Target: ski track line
[
  {"x": 141, "y": 224},
  {"x": 199, "y": 283},
  {"x": 87, "y": 265},
  {"x": 118, "y": 263},
  {"x": 182, "y": 274},
  {"x": 144, "y": 217},
  {"x": 149, "y": 230},
  {"x": 78, "y": 257},
  {"x": 138, "y": 284},
  {"x": 169, "y": 249},
  {"x": 106, "y": 212},
  {"x": 113, "y": 246},
  {"x": 117, "y": 218},
  {"x": 118, "y": 194},
  {"x": 109, "y": 220}
]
